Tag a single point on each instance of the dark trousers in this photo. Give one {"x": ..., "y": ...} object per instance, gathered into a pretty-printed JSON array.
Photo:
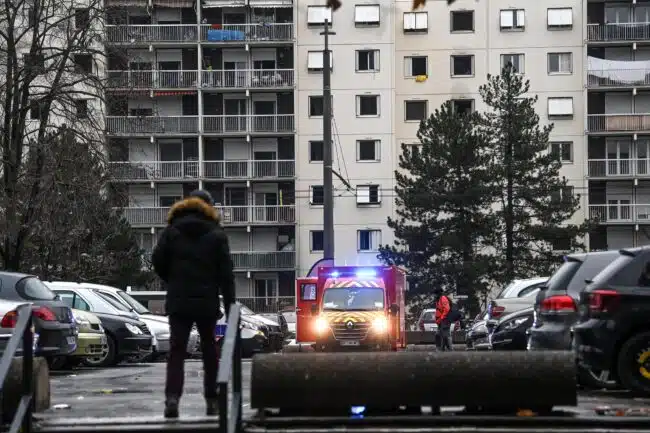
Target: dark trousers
[
  {"x": 444, "y": 339},
  {"x": 180, "y": 328}
]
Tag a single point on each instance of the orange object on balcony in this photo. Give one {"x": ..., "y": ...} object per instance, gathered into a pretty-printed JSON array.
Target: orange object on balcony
[{"x": 216, "y": 26}]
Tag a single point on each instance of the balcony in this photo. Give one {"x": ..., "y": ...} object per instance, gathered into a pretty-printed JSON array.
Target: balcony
[
  {"x": 148, "y": 125},
  {"x": 242, "y": 124},
  {"x": 152, "y": 79},
  {"x": 273, "y": 260},
  {"x": 145, "y": 34},
  {"x": 247, "y": 33},
  {"x": 181, "y": 170},
  {"x": 613, "y": 123},
  {"x": 618, "y": 168},
  {"x": 618, "y": 32},
  {"x": 248, "y": 79},
  {"x": 618, "y": 78},
  {"x": 620, "y": 213},
  {"x": 231, "y": 215}
]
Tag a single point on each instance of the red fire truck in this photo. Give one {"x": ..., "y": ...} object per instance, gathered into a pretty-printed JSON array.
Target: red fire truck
[{"x": 352, "y": 307}]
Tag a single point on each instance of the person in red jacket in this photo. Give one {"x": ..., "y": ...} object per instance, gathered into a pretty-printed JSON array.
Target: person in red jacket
[{"x": 443, "y": 308}]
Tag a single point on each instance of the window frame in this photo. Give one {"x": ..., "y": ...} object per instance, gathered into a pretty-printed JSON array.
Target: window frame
[
  {"x": 85, "y": 115},
  {"x": 371, "y": 23},
  {"x": 556, "y": 27},
  {"x": 472, "y": 58},
  {"x": 471, "y": 101},
  {"x": 311, "y": 144},
  {"x": 311, "y": 241},
  {"x": 373, "y": 248},
  {"x": 319, "y": 68},
  {"x": 376, "y": 59},
  {"x": 558, "y": 98},
  {"x": 521, "y": 59},
  {"x": 548, "y": 63},
  {"x": 409, "y": 60},
  {"x": 461, "y": 11},
  {"x": 313, "y": 98},
  {"x": 426, "y": 108},
  {"x": 377, "y": 150},
  {"x": 515, "y": 22},
  {"x": 415, "y": 28},
  {"x": 311, "y": 195},
  {"x": 358, "y": 105},
  {"x": 560, "y": 150},
  {"x": 369, "y": 189},
  {"x": 324, "y": 15}
]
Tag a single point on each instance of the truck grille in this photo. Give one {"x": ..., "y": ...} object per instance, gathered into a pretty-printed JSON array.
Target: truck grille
[
  {"x": 144, "y": 329},
  {"x": 357, "y": 332}
]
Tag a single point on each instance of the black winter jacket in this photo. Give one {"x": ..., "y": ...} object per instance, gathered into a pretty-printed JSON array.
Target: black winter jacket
[{"x": 193, "y": 258}]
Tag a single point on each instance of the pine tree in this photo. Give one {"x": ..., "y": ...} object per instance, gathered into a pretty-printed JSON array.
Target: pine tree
[
  {"x": 444, "y": 192},
  {"x": 533, "y": 203}
]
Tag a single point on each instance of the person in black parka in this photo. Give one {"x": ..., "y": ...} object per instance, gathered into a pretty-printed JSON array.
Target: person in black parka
[{"x": 193, "y": 258}]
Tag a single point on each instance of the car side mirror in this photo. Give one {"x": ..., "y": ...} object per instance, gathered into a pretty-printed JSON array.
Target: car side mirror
[
  {"x": 394, "y": 309},
  {"x": 542, "y": 288},
  {"x": 314, "y": 309},
  {"x": 57, "y": 297}
]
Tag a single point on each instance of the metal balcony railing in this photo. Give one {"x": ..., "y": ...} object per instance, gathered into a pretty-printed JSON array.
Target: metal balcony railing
[
  {"x": 613, "y": 32},
  {"x": 248, "y": 79},
  {"x": 258, "y": 32},
  {"x": 618, "y": 167},
  {"x": 618, "y": 78},
  {"x": 230, "y": 215},
  {"x": 620, "y": 213},
  {"x": 152, "y": 79},
  {"x": 246, "y": 169},
  {"x": 264, "y": 260},
  {"x": 136, "y": 125},
  {"x": 150, "y": 170},
  {"x": 152, "y": 33},
  {"x": 618, "y": 122},
  {"x": 256, "y": 123}
]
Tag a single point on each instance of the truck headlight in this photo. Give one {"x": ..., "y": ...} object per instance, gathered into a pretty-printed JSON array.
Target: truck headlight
[
  {"x": 133, "y": 329},
  {"x": 321, "y": 325},
  {"x": 380, "y": 324}
]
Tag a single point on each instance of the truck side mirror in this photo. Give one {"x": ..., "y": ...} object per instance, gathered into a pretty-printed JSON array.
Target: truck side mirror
[
  {"x": 394, "y": 309},
  {"x": 314, "y": 309}
]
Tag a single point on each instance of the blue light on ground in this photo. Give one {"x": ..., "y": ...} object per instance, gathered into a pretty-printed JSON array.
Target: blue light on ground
[{"x": 357, "y": 410}]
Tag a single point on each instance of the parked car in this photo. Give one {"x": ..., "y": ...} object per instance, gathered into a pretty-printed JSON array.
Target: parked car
[
  {"x": 91, "y": 340},
  {"x": 427, "y": 321},
  {"x": 127, "y": 338},
  {"x": 509, "y": 332},
  {"x": 519, "y": 295},
  {"x": 613, "y": 333},
  {"x": 556, "y": 309},
  {"x": 477, "y": 336},
  {"x": 53, "y": 319},
  {"x": 291, "y": 319}
]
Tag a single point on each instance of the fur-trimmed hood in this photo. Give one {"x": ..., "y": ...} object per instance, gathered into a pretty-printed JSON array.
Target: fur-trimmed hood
[{"x": 193, "y": 205}]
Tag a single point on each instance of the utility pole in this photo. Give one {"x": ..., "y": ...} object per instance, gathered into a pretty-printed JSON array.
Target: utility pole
[{"x": 328, "y": 188}]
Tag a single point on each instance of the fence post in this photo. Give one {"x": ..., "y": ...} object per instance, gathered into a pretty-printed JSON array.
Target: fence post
[{"x": 28, "y": 368}]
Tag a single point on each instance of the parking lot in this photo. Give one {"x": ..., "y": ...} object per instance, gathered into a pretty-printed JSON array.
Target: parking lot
[{"x": 136, "y": 390}]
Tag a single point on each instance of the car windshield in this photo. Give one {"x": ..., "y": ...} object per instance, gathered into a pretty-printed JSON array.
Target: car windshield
[
  {"x": 427, "y": 316},
  {"x": 138, "y": 307},
  {"x": 353, "y": 298},
  {"x": 113, "y": 302},
  {"x": 245, "y": 310},
  {"x": 33, "y": 289},
  {"x": 561, "y": 278}
]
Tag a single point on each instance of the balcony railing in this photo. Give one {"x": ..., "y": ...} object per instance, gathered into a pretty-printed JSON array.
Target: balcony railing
[
  {"x": 620, "y": 213},
  {"x": 618, "y": 122},
  {"x": 230, "y": 215},
  {"x": 152, "y": 33},
  {"x": 248, "y": 78},
  {"x": 618, "y": 78},
  {"x": 613, "y": 32},
  {"x": 234, "y": 33},
  {"x": 152, "y": 79},
  {"x": 152, "y": 125},
  {"x": 149, "y": 170},
  {"x": 246, "y": 169},
  {"x": 264, "y": 260},
  {"x": 618, "y": 167},
  {"x": 256, "y": 123}
]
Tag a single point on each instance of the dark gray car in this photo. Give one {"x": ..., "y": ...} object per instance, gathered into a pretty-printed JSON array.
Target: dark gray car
[{"x": 556, "y": 307}]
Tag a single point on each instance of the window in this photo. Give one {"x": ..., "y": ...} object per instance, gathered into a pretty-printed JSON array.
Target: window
[
  {"x": 416, "y": 22},
  {"x": 366, "y": 15},
  {"x": 560, "y": 107},
  {"x": 563, "y": 150},
  {"x": 516, "y": 60},
  {"x": 512, "y": 19},
  {"x": 560, "y": 18},
  {"x": 35, "y": 110},
  {"x": 168, "y": 200},
  {"x": 316, "y": 15},
  {"x": 316, "y": 240},
  {"x": 367, "y": 105},
  {"x": 367, "y": 60},
  {"x": 316, "y": 151},
  {"x": 562, "y": 195},
  {"x": 316, "y": 195},
  {"x": 30, "y": 16},
  {"x": 316, "y": 106},
  {"x": 83, "y": 63},
  {"x": 81, "y": 108},
  {"x": 462, "y": 106},
  {"x": 315, "y": 61},
  {"x": 560, "y": 63},
  {"x": 415, "y": 111},
  {"x": 81, "y": 19},
  {"x": 368, "y": 150},
  {"x": 35, "y": 63},
  {"x": 73, "y": 300},
  {"x": 415, "y": 66},
  {"x": 368, "y": 240},
  {"x": 308, "y": 292},
  {"x": 31, "y": 288},
  {"x": 462, "y": 21},
  {"x": 462, "y": 66},
  {"x": 561, "y": 244},
  {"x": 368, "y": 194}
]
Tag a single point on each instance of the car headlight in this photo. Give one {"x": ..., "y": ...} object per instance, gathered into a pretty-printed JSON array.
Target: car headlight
[
  {"x": 101, "y": 328},
  {"x": 513, "y": 324},
  {"x": 249, "y": 325},
  {"x": 380, "y": 324},
  {"x": 133, "y": 329},
  {"x": 321, "y": 326}
]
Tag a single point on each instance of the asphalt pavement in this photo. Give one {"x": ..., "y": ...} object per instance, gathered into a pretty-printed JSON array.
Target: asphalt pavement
[{"x": 136, "y": 390}]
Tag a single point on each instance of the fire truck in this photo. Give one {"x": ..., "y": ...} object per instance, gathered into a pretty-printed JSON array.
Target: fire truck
[{"x": 352, "y": 308}]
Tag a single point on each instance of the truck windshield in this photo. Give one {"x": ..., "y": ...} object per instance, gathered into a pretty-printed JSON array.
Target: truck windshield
[{"x": 353, "y": 298}]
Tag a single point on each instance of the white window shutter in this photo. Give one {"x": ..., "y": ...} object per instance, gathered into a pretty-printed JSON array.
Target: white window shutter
[
  {"x": 366, "y": 14},
  {"x": 421, "y": 21},
  {"x": 327, "y": 15},
  {"x": 378, "y": 191},
  {"x": 560, "y": 106},
  {"x": 363, "y": 194},
  {"x": 507, "y": 19},
  {"x": 409, "y": 21},
  {"x": 375, "y": 239},
  {"x": 314, "y": 14},
  {"x": 521, "y": 18},
  {"x": 315, "y": 60},
  {"x": 311, "y": 194}
]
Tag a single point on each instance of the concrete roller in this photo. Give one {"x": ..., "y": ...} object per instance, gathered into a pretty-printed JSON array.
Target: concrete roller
[{"x": 519, "y": 380}]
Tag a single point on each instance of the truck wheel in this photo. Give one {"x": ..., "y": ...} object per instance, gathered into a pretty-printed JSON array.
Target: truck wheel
[
  {"x": 633, "y": 364},
  {"x": 592, "y": 379}
]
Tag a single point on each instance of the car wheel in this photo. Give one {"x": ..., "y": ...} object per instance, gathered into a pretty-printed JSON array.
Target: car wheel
[
  {"x": 106, "y": 358},
  {"x": 593, "y": 379},
  {"x": 56, "y": 362},
  {"x": 633, "y": 364}
]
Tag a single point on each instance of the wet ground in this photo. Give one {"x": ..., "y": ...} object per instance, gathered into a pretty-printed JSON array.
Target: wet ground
[{"x": 137, "y": 390}]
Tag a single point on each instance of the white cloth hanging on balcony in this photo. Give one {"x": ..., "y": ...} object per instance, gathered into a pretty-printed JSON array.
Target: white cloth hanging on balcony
[{"x": 618, "y": 70}]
